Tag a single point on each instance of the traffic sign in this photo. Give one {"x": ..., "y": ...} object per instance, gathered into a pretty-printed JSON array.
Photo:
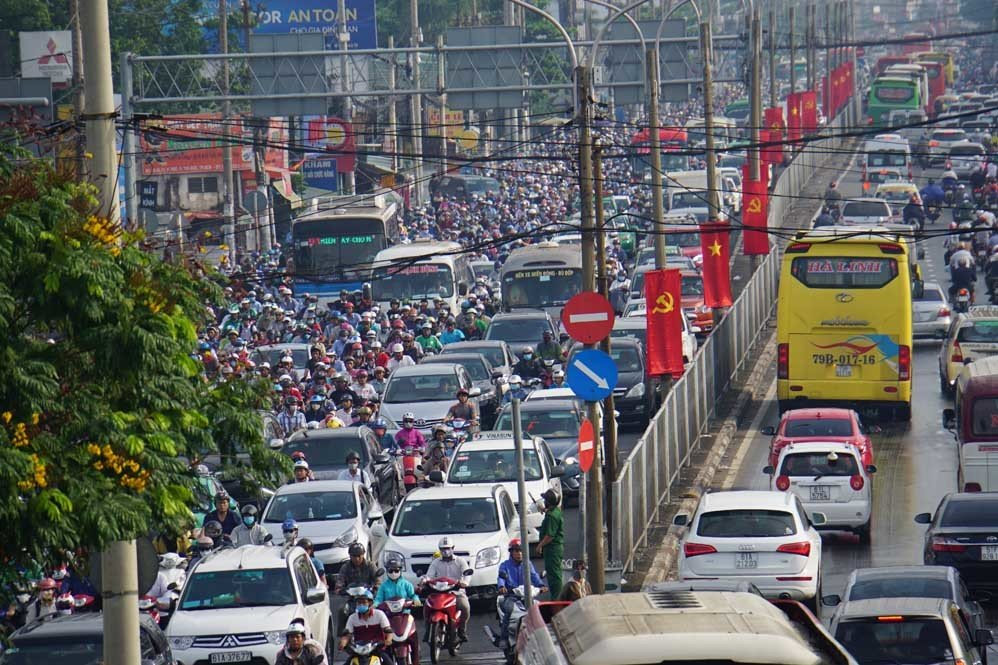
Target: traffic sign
[
  {"x": 591, "y": 375},
  {"x": 587, "y": 447},
  {"x": 587, "y": 317}
]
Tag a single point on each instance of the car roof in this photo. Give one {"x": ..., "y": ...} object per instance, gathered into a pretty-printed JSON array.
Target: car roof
[
  {"x": 549, "y": 404},
  {"x": 521, "y": 314},
  {"x": 494, "y": 440},
  {"x": 317, "y": 486},
  {"x": 873, "y": 607},
  {"x": 831, "y": 413},
  {"x": 245, "y": 557},
  {"x": 546, "y": 394},
  {"x": 421, "y": 370},
  {"x": 471, "y": 344},
  {"x": 630, "y": 323},
  {"x": 330, "y": 433},
  {"x": 881, "y": 572},
  {"x": 72, "y": 625},
  {"x": 980, "y": 312},
  {"x": 821, "y": 447},
  {"x": 971, "y": 496},
  {"x": 745, "y": 499},
  {"x": 453, "y": 358},
  {"x": 441, "y": 492}
]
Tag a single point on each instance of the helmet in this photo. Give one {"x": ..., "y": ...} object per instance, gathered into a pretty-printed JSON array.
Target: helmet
[
  {"x": 515, "y": 380},
  {"x": 527, "y": 349},
  {"x": 446, "y": 543},
  {"x": 301, "y": 464},
  {"x": 356, "y": 549},
  {"x": 462, "y": 391},
  {"x": 353, "y": 455},
  {"x": 249, "y": 509},
  {"x": 408, "y": 415},
  {"x": 514, "y": 545},
  {"x": 559, "y": 374},
  {"x": 221, "y": 495},
  {"x": 213, "y": 529},
  {"x": 397, "y": 348},
  {"x": 47, "y": 584},
  {"x": 296, "y": 628},
  {"x": 379, "y": 424},
  {"x": 305, "y": 544},
  {"x": 170, "y": 560},
  {"x": 289, "y": 525}
]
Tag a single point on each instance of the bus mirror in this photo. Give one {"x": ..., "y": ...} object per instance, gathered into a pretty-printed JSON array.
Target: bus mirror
[
  {"x": 462, "y": 288},
  {"x": 949, "y": 419},
  {"x": 366, "y": 291},
  {"x": 917, "y": 289}
]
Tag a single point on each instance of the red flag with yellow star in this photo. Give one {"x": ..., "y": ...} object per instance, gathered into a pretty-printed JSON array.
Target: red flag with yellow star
[
  {"x": 664, "y": 312},
  {"x": 793, "y": 117},
  {"x": 716, "y": 251}
]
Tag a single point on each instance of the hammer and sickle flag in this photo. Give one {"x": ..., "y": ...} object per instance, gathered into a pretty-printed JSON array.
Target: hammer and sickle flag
[
  {"x": 755, "y": 212},
  {"x": 663, "y": 294}
]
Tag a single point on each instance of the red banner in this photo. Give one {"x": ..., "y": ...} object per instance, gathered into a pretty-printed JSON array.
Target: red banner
[
  {"x": 715, "y": 246},
  {"x": 663, "y": 300},
  {"x": 826, "y": 98},
  {"x": 755, "y": 212},
  {"x": 809, "y": 112},
  {"x": 773, "y": 121},
  {"x": 793, "y": 117}
]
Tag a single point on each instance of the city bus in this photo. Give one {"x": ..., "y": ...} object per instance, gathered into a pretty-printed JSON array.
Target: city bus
[
  {"x": 739, "y": 111},
  {"x": 541, "y": 276},
  {"x": 974, "y": 422},
  {"x": 725, "y": 132},
  {"x": 888, "y": 60},
  {"x": 422, "y": 270},
  {"x": 334, "y": 242},
  {"x": 923, "y": 43},
  {"x": 672, "y": 141},
  {"x": 892, "y": 94},
  {"x": 843, "y": 323},
  {"x": 937, "y": 83},
  {"x": 916, "y": 73},
  {"x": 945, "y": 59}
]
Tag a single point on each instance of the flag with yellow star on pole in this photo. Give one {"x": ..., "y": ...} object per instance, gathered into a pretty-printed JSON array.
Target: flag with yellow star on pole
[{"x": 715, "y": 246}]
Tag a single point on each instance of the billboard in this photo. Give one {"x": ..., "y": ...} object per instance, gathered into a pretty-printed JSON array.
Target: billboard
[
  {"x": 193, "y": 144},
  {"x": 288, "y": 16},
  {"x": 47, "y": 54},
  {"x": 332, "y": 137}
]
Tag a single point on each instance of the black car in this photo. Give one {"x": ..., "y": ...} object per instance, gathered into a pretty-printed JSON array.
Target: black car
[
  {"x": 963, "y": 533},
  {"x": 326, "y": 452},
  {"x": 522, "y": 328},
  {"x": 497, "y": 352},
  {"x": 634, "y": 396},
  {"x": 483, "y": 376},
  {"x": 79, "y": 639},
  {"x": 462, "y": 187}
]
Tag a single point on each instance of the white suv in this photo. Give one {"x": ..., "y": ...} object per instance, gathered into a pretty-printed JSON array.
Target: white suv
[
  {"x": 830, "y": 477},
  {"x": 238, "y": 602}
]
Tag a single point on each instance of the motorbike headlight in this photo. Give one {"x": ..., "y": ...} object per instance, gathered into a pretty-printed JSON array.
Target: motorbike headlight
[
  {"x": 638, "y": 390},
  {"x": 349, "y": 536},
  {"x": 183, "y": 642},
  {"x": 274, "y": 636},
  {"x": 490, "y": 556}
]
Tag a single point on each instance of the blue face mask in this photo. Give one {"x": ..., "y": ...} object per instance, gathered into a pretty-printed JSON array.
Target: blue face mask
[
  {"x": 362, "y": 609},
  {"x": 249, "y": 520}
]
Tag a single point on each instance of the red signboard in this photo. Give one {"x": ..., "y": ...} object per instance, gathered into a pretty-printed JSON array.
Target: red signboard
[
  {"x": 587, "y": 317},
  {"x": 663, "y": 309},
  {"x": 755, "y": 212},
  {"x": 333, "y": 137},
  {"x": 587, "y": 446}
]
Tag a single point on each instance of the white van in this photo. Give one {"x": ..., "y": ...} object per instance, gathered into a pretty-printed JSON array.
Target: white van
[{"x": 422, "y": 269}]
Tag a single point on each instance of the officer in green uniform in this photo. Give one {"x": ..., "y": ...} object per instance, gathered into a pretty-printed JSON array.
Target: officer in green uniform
[{"x": 552, "y": 543}]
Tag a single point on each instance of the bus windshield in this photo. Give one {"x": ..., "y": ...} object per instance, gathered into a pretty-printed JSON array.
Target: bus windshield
[
  {"x": 542, "y": 287},
  {"x": 336, "y": 248},
  {"x": 415, "y": 282},
  {"x": 877, "y": 159}
]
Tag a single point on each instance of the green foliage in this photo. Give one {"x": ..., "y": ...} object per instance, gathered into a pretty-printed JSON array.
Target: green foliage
[
  {"x": 101, "y": 404},
  {"x": 435, "y": 16}
]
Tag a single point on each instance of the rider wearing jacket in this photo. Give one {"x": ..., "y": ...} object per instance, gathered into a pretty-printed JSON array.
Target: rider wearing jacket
[
  {"x": 409, "y": 436},
  {"x": 510, "y": 577},
  {"x": 932, "y": 194}
]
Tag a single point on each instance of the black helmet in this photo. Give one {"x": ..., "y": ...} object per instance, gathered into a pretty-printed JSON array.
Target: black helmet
[
  {"x": 353, "y": 454},
  {"x": 393, "y": 565},
  {"x": 248, "y": 510},
  {"x": 221, "y": 495},
  {"x": 213, "y": 529},
  {"x": 305, "y": 544},
  {"x": 356, "y": 549}
]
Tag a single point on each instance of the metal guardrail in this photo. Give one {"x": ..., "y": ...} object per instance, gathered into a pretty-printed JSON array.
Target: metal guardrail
[{"x": 645, "y": 481}]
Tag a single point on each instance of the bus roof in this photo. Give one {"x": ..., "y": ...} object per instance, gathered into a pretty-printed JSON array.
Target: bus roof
[
  {"x": 428, "y": 249},
  {"x": 543, "y": 255},
  {"x": 683, "y": 626},
  {"x": 845, "y": 233}
]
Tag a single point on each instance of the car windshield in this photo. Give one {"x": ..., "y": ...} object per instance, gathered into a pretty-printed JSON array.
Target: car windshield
[
  {"x": 909, "y": 641},
  {"x": 975, "y": 514},
  {"x": 817, "y": 427},
  {"x": 900, "y": 587},
  {"x": 518, "y": 330},
  {"x": 865, "y": 209},
  {"x": 691, "y": 285},
  {"x": 252, "y": 587},
  {"x": 931, "y": 295},
  {"x": 751, "y": 523},
  {"x": 476, "y": 368},
  {"x": 327, "y": 451},
  {"x": 551, "y": 424},
  {"x": 626, "y": 358},
  {"x": 273, "y": 356},
  {"x": 311, "y": 507},
  {"x": 683, "y": 238},
  {"x": 430, "y": 517},
  {"x": 819, "y": 465},
  {"x": 983, "y": 332},
  {"x": 494, "y": 354},
  {"x": 421, "y": 388},
  {"x": 635, "y": 333},
  {"x": 82, "y": 650},
  {"x": 492, "y": 466},
  {"x": 413, "y": 282}
]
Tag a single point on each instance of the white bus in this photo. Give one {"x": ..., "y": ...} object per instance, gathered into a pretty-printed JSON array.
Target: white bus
[
  {"x": 422, "y": 270},
  {"x": 974, "y": 422}
]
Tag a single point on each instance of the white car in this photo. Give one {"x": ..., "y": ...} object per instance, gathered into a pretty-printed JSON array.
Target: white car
[
  {"x": 481, "y": 520},
  {"x": 427, "y": 391},
  {"x": 766, "y": 538},
  {"x": 866, "y": 212},
  {"x": 490, "y": 458},
  {"x": 635, "y": 325},
  {"x": 238, "y": 602},
  {"x": 829, "y": 477},
  {"x": 331, "y": 513}
]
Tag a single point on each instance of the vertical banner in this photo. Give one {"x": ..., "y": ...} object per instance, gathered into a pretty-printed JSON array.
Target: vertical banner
[
  {"x": 663, "y": 299},
  {"x": 826, "y": 98},
  {"x": 755, "y": 212},
  {"x": 769, "y": 147},
  {"x": 715, "y": 246},
  {"x": 793, "y": 118},
  {"x": 773, "y": 120},
  {"x": 809, "y": 112}
]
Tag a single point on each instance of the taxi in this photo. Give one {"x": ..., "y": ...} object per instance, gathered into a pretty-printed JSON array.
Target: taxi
[
  {"x": 973, "y": 335},
  {"x": 828, "y": 424},
  {"x": 898, "y": 194}
]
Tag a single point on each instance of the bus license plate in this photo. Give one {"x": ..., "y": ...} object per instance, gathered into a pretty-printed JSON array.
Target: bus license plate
[
  {"x": 989, "y": 553},
  {"x": 843, "y": 371},
  {"x": 821, "y": 493},
  {"x": 746, "y": 560},
  {"x": 231, "y": 657}
]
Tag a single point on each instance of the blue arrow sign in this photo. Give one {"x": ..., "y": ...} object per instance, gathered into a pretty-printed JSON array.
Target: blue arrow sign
[{"x": 591, "y": 375}]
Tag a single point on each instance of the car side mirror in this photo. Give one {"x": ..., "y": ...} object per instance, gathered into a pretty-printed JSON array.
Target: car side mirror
[
  {"x": 818, "y": 519},
  {"x": 475, "y": 392},
  {"x": 923, "y": 518},
  {"x": 681, "y": 520},
  {"x": 831, "y": 600},
  {"x": 437, "y": 477},
  {"x": 983, "y": 637},
  {"x": 382, "y": 458},
  {"x": 557, "y": 471},
  {"x": 871, "y": 468},
  {"x": 315, "y": 595},
  {"x": 497, "y": 374},
  {"x": 374, "y": 516},
  {"x": 949, "y": 419},
  {"x": 769, "y": 469},
  {"x": 276, "y": 444},
  {"x": 768, "y": 431}
]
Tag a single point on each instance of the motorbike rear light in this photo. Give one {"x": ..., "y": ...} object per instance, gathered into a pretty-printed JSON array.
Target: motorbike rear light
[
  {"x": 696, "y": 549},
  {"x": 783, "y": 361},
  {"x": 783, "y": 483},
  {"x": 802, "y": 548},
  {"x": 904, "y": 363},
  {"x": 933, "y": 144},
  {"x": 957, "y": 356},
  {"x": 856, "y": 482},
  {"x": 943, "y": 544},
  {"x": 971, "y": 487}
]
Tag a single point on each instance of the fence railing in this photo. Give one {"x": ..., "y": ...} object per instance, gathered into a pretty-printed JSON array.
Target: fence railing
[{"x": 645, "y": 480}]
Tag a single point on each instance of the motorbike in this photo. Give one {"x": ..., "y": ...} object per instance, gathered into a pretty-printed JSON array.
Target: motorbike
[
  {"x": 834, "y": 210},
  {"x": 443, "y": 616},
  {"x": 518, "y": 610},
  {"x": 932, "y": 213},
  {"x": 364, "y": 653},
  {"x": 411, "y": 461},
  {"x": 403, "y": 628},
  {"x": 461, "y": 430},
  {"x": 961, "y": 303},
  {"x": 147, "y": 604}
]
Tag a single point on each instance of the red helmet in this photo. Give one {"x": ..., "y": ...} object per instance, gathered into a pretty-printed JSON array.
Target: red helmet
[
  {"x": 398, "y": 323},
  {"x": 47, "y": 584},
  {"x": 515, "y": 545}
]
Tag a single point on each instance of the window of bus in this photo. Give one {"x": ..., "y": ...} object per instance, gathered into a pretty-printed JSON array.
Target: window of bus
[
  {"x": 334, "y": 247},
  {"x": 416, "y": 282},
  {"x": 878, "y": 159},
  {"x": 548, "y": 287},
  {"x": 689, "y": 199},
  {"x": 830, "y": 272},
  {"x": 894, "y": 94},
  {"x": 984, "y": 416}
]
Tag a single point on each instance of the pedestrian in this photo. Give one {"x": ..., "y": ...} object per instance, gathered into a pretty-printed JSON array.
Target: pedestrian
[{"x": 552, "y": 543}]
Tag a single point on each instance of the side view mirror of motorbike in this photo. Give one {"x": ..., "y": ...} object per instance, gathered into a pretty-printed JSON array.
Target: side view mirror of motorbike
[
  {"x": 564, "y": 337},
  {"x": 374, "y": 516},
  {"x": 468, "y": 572},
  {"x": 379, "y": 572},
  {"x": 276, "y": 444},
  {"x": 768, "y": 431},
  {"x": 503, "y": 575},
  {"x": 475, "y": 392},
  {"x": 436, "y": 477},
  {"x": 497, "y": 373},
  {"x": 268, "y": 538},
  {"x": 382, "y": 458}
]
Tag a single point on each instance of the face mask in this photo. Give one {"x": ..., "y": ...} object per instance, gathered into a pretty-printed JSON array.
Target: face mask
[
  {"x": 292, "y": 409},
  {"x": 353, "y": 466},
  {"x": 528, "y": 356},
  {"x": 394, "y": 574},
  {"x": 249, "y": 520},
  {"x": 446, "y": 555},
  {"x": 362, "y": 609}
]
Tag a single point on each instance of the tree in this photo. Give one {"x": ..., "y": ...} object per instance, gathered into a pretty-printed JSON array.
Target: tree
[
  {"x": 101, "y": 402},
  {"x": 435, "y": 16}
]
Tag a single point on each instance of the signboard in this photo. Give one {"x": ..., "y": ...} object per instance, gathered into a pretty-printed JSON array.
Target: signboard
[
  {"x": 587, "y": 317},
  {"x": 47, "y": 54},
  {"x": 587, "y": 446},
  {"x": 333, "y": 137},
  {"x": 321, "y": 173},
  {"x": 148, "y": 191},
  {"x": 193, "y": 144},
  {"x": 454, "y": 121},
  {"x": 591, "y": 375},
  {"x": 296, "y": 16}
]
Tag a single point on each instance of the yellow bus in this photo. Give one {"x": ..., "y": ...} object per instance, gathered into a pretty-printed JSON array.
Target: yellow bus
[
  {"x": 844, "y": 326},
  {"x": 945, "y": 59}
]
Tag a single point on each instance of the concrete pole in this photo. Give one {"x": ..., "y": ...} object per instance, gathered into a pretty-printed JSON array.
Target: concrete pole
[
  {"x": 128, "y": 142},
  {"x": 416, "y": 108},
  {"x": 393, "y": 122},
  {"x": 856, "y": 104},
  {"x": 654, "y": 127},
  {"x": 228, "y": 192},
  {"x": 521, "y": 489},
  {"x": 349, "y": 181},
  {"x": 828, "y": 54},
  {"x": 442, "y": 92},
  {"x": 793, "y": 49},
  {"x": 78, "y": 96},
  {"x": 755, "y": 97},
  {"x": 773, "y": 87}
]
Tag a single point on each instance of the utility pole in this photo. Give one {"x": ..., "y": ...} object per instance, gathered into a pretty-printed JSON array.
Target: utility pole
[
  {"x": 78, "y": 96},
  {"x": 349, "y": 182},
  {"x": 228, "y": 201},
  {"x": 793, "y": 49},
  {"x": 442, "y": 93},
  {"x": 755, "y": 97},
  {"x": 654, "y": 130},
  {"x": 119, "y": 566},
  {"x": 855, "y": 103},
  {"x": 810, "y": 45},
  {"x": 260, "y": 217},
  {"x": 713, "y": 195},
  {"x": 128, "y": 142},
  {"x": 828, "y": 57},
  {"x": 772, "y": 56},
  {"x": 393, "y": 122},
  {"x": 416, "y": 109}
]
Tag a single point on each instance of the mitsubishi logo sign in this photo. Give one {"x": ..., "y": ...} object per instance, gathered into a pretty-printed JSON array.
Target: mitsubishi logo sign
[{"x": 229, "y": 641}]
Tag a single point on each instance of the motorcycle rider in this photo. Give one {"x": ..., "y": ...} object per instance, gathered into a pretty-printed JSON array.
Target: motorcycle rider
[
  {"x": 824, "y": 218},
  {"x": 516, "y": 390},
  {"x": 832, "y": 195},
  {"x": 428, "y": 341},
  {"x": 369, "y": 624},
  {"x": 225, "y": 517},
  {"x": 395, "y": 586},
  {"x": 510, "y": 577},
  {"x": 913, "y": 213},
  {"x": 169, "y": 580},
  {"x": 301, "y": 472},
  {"x": 963, "y": 277},
  {"x": 299, "y": 651},
  {"x": 549, "y": 349},
  {"x": 558, "y": 378},
  {"x": 250, "y": 532},
  {"x": 44, "y": 605},
  {"x": 577, "y": 587},
  {"x": 436, "y": 458},
  {"x": 932, "y": 194},
  {"x": 380, "y": 428},
  {"x": 353, "y": 471},
  {"x": 949, "y": 181},
  {"x": 357, "y": 571},
  {"x": 991, "y": 271},
  {"x": 409, "y": 436},
  {"x": 399, "y": 359},
  {"x": 291, "y": 419},
  {"x": 462, "y": 410},
  {"x": 452, "y": 567},
  {"x": 309, "y": 547},
  {"x": 528, "y": 367}
]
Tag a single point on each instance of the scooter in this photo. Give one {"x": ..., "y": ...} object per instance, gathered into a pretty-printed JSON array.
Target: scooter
[
  {"x": 517, "y": 611},
  {"x": 403, "y": 628},
  {"x": 932, "y": 213},
  {"x": 962, "y": 301},
  {"x": 364, "y": 653},
  {"x": 147, "y": 605},
  {"x": 443, "y": 616},
  {"x": 411, "y": 461},
  {"x": 462, "y": 429}
]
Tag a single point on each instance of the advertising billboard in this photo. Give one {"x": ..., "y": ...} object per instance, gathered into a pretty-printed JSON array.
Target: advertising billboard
[
  {"x": 287, "y": 16},
  {"x": 47, "y": 54}
]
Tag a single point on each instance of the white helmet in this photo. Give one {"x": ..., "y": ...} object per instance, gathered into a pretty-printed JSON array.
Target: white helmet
[
  {"x": 397, "y": 348},
  {"x": 408, "y": 415},
  {"x": 445, "y": 543},
  {"x": 515, "y": 380}
]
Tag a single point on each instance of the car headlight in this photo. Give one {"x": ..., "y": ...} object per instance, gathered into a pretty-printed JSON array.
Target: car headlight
[
  {"x": 389, "y": 555},
  {"x": 275, "y": 636},
  {"x": 349, "y": 536},
  {"x": 490, "y": 556},
  {"x": 638, "y": 390},
  {"x": 182, "y": 642}
]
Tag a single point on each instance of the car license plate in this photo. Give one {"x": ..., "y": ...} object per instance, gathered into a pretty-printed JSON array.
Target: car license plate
[
  {"x": 746, "y": 560},
  {"x": 843, "y": 371},
  {"x": 989, "y": 553},
  {"x": 821, "y": 493},
  {"x": 231, "y": 657}
]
